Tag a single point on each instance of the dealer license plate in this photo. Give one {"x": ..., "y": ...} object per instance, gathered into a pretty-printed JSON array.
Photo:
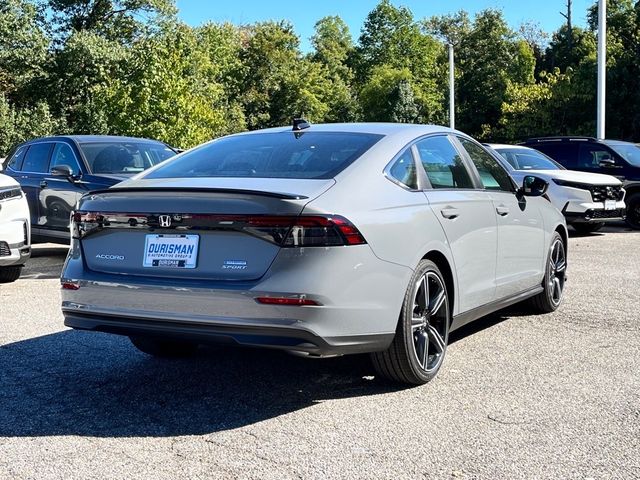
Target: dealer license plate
[
  {"x": 171, "y": 251},
  {"x": 609, "y": 204}
]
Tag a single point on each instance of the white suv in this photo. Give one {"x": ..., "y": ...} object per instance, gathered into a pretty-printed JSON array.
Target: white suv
[
  {"x": 15, "y": 230},
  {"x": 587, "y": 200}
]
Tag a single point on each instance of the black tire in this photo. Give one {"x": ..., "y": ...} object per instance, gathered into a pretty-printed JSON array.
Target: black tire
[
  {"x": 423, "y": 325},
  {"x": 10, "y": 274},
  {"x": 587, "y": 227},
  {"x": 164, "y": 348},
  {"x": 633, "y": 210},
  {"x": 550, "y": 298}
]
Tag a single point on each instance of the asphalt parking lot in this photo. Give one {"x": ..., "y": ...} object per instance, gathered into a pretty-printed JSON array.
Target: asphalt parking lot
[{"x": 519, "y": 396}]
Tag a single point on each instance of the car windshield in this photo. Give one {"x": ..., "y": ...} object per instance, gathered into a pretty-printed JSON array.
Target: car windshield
[
  {"x": 528, "y": 159},
  {"x": 124, "y": 157},
  {"x": 306, "y": 155},
  {"x": 629, "y": 151}
]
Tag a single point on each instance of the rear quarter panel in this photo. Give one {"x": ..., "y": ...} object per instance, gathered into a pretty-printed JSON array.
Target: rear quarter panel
[{"x": 398, "y": 224}]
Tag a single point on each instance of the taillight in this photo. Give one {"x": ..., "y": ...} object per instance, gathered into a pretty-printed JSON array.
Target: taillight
[
  {"x": 296, "y": 231},
  {"x": 287, "y": 231}
]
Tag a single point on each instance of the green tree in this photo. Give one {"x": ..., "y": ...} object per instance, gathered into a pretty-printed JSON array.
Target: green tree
[
  {"x": 489, "y": 58},
  {"x": 272, "y": 62},
  {"x": 118, "y": 20},
  {"x": 392, "y": 40},
  {"x": 24, "y": 56},
  {"x": 333, "y": 49},
  {"x": 623, "y": 68},
  {"x": 83, "y": 68},
  {"x": 172, "y": 88},
  {"x": 20, "y": 124}
]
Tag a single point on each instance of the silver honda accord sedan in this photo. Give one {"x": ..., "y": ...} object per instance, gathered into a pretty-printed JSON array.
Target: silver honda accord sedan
[{"x": 318, "y": 239}]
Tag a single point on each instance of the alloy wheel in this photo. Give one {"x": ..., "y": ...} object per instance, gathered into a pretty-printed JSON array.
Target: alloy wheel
[
  {"x": 557, "y": 267},
  {"x": 429, "y": 321}
]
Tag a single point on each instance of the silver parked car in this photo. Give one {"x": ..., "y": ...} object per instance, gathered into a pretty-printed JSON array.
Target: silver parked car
[{"x": 325, "y": 239}]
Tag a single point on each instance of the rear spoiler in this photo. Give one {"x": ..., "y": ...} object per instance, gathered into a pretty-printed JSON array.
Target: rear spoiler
[{"x": 237, "y": 191}]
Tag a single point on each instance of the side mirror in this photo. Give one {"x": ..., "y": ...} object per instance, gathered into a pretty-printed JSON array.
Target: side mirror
[
  {"x": 533, "y": 186},
  {"x": 64, "y": 171}
]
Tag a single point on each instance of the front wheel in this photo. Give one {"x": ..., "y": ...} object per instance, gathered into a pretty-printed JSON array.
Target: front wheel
[
  {"x": 10, "y": 274},
  {"x": 165, "y": 348},
  {"x": 554, "y": 277},
  {"x": 633, "y": 210},
  {"x": 419, "y": 346}
]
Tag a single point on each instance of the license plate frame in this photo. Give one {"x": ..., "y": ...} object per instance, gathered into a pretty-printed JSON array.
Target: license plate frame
[{"x": 181, "y": 251}]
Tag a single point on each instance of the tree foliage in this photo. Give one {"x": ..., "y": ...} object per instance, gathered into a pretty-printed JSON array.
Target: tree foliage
[{"x": 131, "y": 67}]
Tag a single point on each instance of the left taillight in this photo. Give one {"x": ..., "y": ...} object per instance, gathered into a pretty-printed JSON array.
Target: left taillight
[{"x": 84, "y": 222}]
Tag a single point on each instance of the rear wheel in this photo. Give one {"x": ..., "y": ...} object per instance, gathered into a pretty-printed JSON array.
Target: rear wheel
[
  {"x": 633, "y": 210},
  {"x": 587, "y": 227},
  {"x": 160, "y": 347},
  {"x": 553, "y": 285},
  {"x": 10, "y": 274},
  {"x": 420, "y": 343}
]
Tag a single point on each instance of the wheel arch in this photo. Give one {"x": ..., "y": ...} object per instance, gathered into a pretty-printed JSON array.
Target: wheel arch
[
  {"x": 443, "y": 264},
  {"x": 562, "y": 230}
]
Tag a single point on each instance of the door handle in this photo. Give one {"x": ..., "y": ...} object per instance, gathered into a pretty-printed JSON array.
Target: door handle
[
  {"x": 449, "y": 212},
  {"x": 43, "y": 184},
  {"x": 502, "y": 210}
]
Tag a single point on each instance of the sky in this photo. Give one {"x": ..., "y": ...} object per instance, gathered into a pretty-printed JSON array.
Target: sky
[{"x": 304, "y": 14}]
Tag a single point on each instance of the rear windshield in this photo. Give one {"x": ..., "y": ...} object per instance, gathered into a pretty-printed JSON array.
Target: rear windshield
[
  {"x": 124, "y": 157},
  {"x": 271, "y": 155},
  {"x": 528, "y": 159}
]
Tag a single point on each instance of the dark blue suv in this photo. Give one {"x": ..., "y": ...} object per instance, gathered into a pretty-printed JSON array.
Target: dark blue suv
[
  {"x": 613, "y": 157},
  {"x": 54, "y": 172}
]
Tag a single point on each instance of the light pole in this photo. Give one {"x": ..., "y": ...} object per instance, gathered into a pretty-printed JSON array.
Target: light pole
[
  {"x": 602, "y": 66},
  {"x": 452, "y": 90}
]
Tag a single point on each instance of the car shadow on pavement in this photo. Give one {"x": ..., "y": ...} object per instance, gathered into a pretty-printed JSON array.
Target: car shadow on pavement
[
  {"x": 45, "y": 263},
  {"x": 89, "y": 384},
  {"x": 613, "y": 227}
]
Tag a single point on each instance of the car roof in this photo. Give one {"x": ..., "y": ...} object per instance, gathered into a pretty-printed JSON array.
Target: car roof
[
  {"x": 92, "y": 139},
  {"x": 379, "y": 128}
]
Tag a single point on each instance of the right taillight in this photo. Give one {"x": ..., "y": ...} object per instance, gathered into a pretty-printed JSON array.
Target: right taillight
[{"x": 305, "y": 230}]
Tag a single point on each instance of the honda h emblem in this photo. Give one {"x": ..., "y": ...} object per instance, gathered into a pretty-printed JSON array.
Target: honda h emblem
[{"x": 164, "y": 220}]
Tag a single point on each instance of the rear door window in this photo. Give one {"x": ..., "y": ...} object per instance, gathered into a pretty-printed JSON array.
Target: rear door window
[
  {"x": 15, "y": 162},
  {"x": 562, "y": 152},
  {"x": 443, "y": 164},
  {"x": 37, "y": 158}
]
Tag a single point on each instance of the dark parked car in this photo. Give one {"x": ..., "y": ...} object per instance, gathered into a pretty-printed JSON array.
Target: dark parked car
[
  {"x": 613, "y": 157},
  {"x": 54, "y": 172}
]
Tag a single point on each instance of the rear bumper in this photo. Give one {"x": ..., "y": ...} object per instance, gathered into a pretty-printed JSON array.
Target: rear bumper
[
  {"x": 286, "y": 338},
  {"x": 359, "y": 300}
]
